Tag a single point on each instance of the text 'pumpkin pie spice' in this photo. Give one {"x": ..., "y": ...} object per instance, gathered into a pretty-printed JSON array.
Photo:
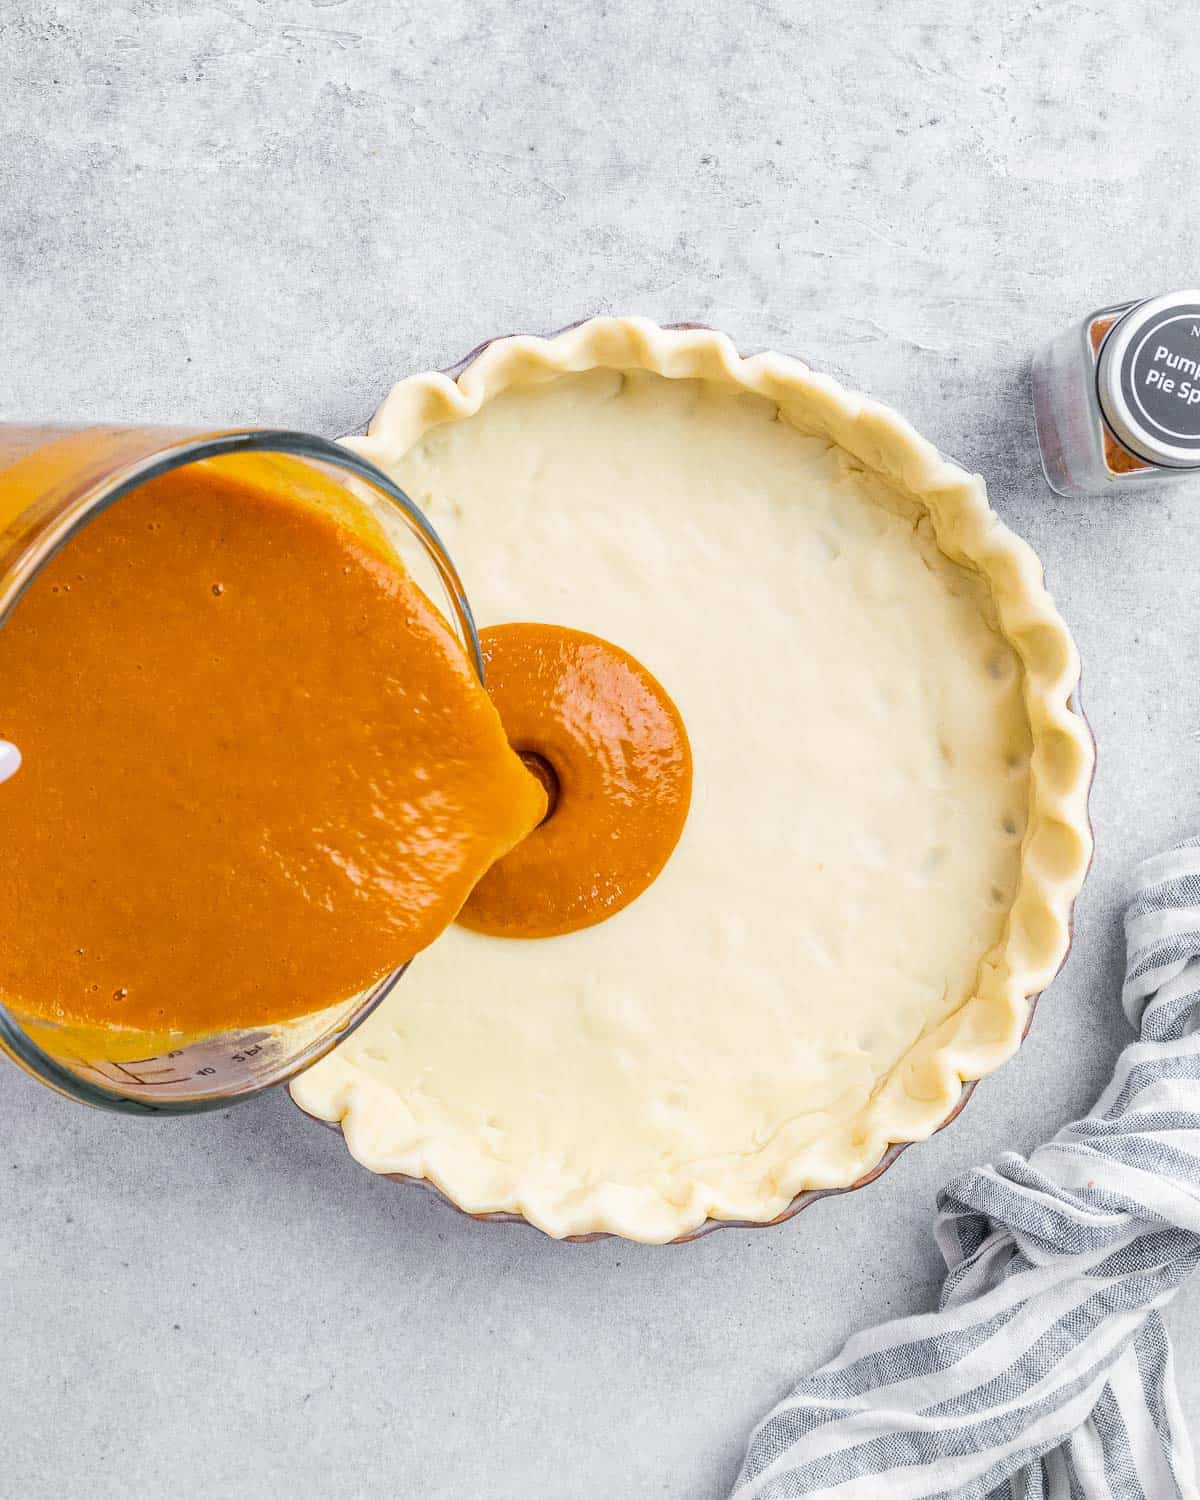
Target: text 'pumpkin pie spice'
[
  {"x": 1117, "y": 396},
  {"x": 619, "y": 777}
]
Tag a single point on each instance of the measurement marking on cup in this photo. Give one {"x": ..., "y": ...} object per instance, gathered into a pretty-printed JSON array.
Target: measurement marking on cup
[
  {"x": 154, "y": 1083},
  {"x": 137, "y": 1077},
  {"x": 162, "y": 1069},
  {"x": 148, "y": 1081}
]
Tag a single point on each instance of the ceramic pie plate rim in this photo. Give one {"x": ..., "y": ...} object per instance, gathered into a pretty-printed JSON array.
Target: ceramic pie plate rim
[{"x": 1057, "y": 848}]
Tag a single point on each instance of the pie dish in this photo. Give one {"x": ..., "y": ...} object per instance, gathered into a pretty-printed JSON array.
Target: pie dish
[{"x": 889, "y": 816}]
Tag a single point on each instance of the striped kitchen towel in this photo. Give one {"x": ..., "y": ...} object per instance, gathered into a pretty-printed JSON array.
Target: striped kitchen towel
[{"x": 1046, "y": 1374}]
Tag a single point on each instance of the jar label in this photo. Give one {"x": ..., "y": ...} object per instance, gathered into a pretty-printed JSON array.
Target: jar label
[{"x": 1160, "y": 376}]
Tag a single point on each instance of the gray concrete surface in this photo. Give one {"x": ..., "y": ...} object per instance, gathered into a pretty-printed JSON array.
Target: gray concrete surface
[{"x": 268, "y": 209}]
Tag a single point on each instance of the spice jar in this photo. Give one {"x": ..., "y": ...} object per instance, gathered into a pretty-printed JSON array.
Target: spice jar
[{"x": 1117, "y": 396}]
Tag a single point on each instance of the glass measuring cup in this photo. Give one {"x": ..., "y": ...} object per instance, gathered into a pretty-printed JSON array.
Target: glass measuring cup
[{"x": 53, "y": 480}]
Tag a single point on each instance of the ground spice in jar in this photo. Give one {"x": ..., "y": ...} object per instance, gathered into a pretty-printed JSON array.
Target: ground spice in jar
[{"x": 1117, "y": 396}]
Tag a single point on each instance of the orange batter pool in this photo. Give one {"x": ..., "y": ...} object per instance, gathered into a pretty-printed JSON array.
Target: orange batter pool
[
  {"x": 613, "y": 753},
  {"x": 259, "y": 772}
]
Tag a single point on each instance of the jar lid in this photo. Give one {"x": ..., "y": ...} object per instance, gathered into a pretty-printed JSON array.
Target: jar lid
[{"x": 1148, "y": 380}]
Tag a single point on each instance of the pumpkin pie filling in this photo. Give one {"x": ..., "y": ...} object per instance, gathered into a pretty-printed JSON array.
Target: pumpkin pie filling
[
  {"x": 613, "y": 754},
  {"x": 259, "y": 772}
]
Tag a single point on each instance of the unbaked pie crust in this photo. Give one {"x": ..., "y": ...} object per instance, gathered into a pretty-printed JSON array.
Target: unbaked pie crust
[{"x": 888, "y": 825}]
